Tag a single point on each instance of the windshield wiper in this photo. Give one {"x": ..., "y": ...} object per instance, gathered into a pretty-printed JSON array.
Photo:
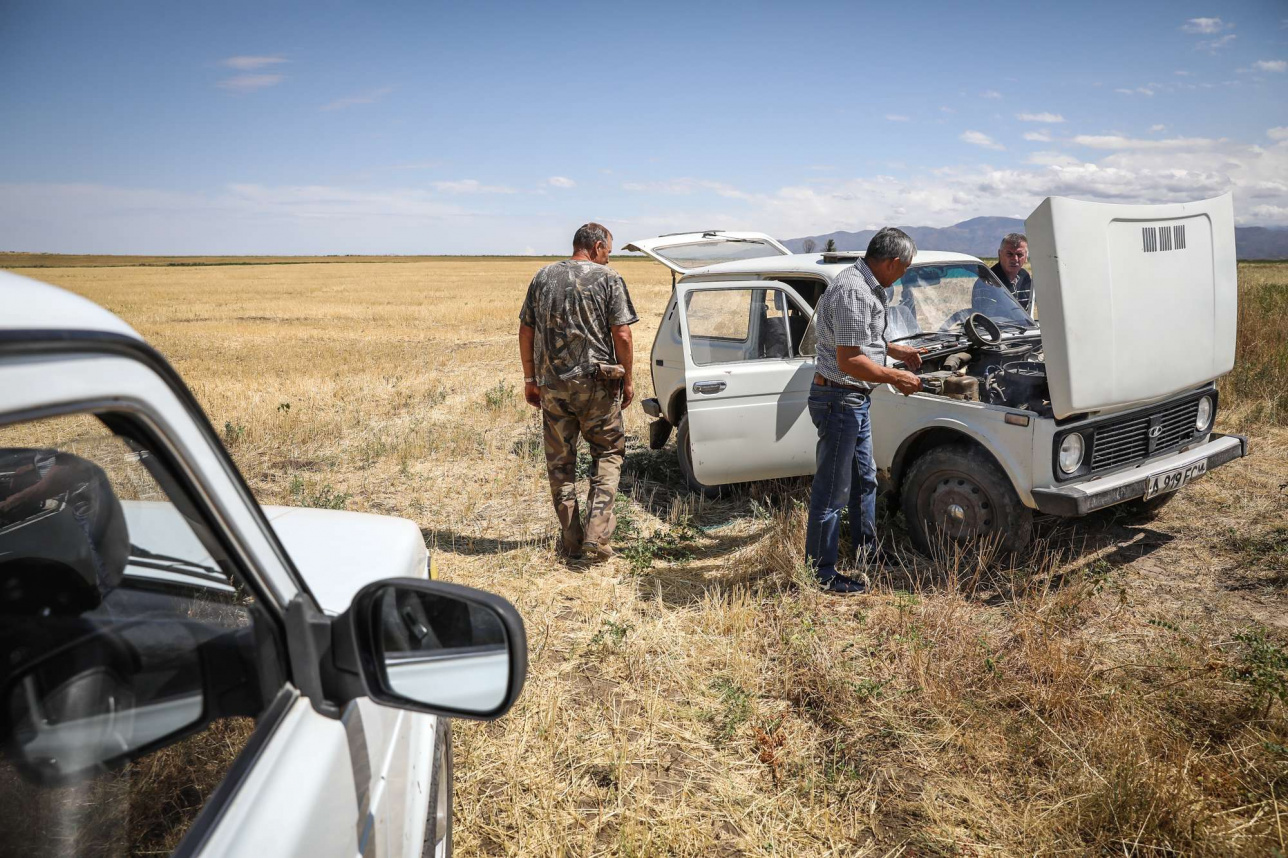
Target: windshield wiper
[
  {"x": 146, "y": 559},
  {"x": 931, "y": 335}
]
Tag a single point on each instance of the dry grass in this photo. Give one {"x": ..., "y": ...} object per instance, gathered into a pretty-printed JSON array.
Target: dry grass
[{"x": 1120, "y": 692}]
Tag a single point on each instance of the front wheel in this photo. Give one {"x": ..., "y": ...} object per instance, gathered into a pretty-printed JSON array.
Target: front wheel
[
  {"x": 959, "y": 493},
  {"x": 438, "y": 827},
  {"x": 684, "y": 451}
]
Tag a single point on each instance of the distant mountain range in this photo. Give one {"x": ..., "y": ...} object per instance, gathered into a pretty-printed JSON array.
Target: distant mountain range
[{"x": 980, "y": 236}]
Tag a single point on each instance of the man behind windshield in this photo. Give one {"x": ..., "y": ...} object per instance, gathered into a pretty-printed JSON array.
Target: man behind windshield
[{"x": 1011, "y": 256}]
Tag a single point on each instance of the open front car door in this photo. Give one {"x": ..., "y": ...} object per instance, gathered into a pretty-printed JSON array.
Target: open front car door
[{"x": 746, "y": 381}]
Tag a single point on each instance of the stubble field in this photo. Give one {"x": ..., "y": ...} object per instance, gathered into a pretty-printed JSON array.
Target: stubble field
[{"x": 1122, "y": 692}]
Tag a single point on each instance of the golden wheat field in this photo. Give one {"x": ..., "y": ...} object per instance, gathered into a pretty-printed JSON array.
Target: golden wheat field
[{"x": 1123, "y": 691}]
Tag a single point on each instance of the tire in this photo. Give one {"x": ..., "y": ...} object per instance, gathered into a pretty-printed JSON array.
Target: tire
[
  {"x": 1148, "y": 510},
  {"x": 438, "y": 826},
  {"x": 684, "y": 452},
  {"x": 967, "y": 478}
]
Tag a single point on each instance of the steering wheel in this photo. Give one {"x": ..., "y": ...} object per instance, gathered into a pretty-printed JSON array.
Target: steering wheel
[
  {"x": 955, "y": 319},
  {"x": 981, "y": 330}
]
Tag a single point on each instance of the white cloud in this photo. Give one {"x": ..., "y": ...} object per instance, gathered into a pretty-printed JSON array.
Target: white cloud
[
  {"x": 1277, "y": 66},
  {"x": 1214, "y": 45},
  {"x": 896, "y": 117},
  {"x": 990, "y": 93},
  {"x": 251, "y": 63},
  {"x": 1038, "y": 136},
  {"x": 1051, "y": 159},
  {"x": 1140, "y": 90},
  {"x": 560, "y": 182},
  {"x": 686, "y": 186},
  {"x": 1040, "y": 117},
  {"x": 946, "y": 110},
  {"x": 249, "y": 82},
  {"x": 1280, "y": 133},
  {"x": 1205, "y": 26},
  {"x": 1180, "y": 73},
  {"x": 979, "y": 138},
  {"x": 1155, "y": 129},
  {"x": 369, "y": 97},
  {"x": 1121, "y": 143},
  {"x": 471, "y": 186}
]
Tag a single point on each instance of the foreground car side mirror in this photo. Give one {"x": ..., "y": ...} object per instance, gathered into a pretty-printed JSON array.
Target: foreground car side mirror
[{"x": 435, "y": 647}]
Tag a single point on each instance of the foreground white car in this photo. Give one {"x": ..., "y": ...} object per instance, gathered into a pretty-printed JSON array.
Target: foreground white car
[
  {"x": 1111, "y": 401},
  {"x": 150, "y": 610}
]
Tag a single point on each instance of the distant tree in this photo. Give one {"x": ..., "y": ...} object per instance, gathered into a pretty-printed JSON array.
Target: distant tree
[
  {"x": 831, "y": 246},
  {"x": 808, "y": 246}
]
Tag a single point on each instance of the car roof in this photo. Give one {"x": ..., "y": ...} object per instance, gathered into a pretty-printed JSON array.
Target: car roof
[
  {"x": 34, "y": 306},
  {"x": 825, "y": 264}
]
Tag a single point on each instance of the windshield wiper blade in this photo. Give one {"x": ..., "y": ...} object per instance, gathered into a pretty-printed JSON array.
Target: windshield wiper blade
[
  {"x": 930, "y": 335},
  {"x": 146, "y": 559}
]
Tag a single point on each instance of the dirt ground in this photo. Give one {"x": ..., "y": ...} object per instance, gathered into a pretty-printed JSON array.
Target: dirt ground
[{"x": 1121, "y": 691}]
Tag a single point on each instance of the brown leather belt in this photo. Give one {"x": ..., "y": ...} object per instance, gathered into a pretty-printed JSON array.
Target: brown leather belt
[{"x": 819, "y": 378}]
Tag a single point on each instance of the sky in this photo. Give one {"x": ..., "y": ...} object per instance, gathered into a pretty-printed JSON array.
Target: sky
[{"x": 419, "y": 127}]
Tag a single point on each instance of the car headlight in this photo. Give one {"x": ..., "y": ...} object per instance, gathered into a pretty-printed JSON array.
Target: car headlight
[
  {"x": 1204, "y": 418},
  {"x": 1071, "y": 448}
]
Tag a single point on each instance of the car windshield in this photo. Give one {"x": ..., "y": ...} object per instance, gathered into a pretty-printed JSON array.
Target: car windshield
[
  {"x": 702, "y": 253},
  {"x": 932, "y": 298}
]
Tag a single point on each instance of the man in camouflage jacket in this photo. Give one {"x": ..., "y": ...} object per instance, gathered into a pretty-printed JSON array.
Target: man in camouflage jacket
[{"x": 575, "y": 344}]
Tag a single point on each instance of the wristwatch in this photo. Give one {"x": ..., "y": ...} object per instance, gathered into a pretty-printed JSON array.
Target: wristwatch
[{"x": 529, "y": 379}]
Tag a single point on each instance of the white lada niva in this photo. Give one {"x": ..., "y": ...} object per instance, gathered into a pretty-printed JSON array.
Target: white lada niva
[{"x": 1111, "y": 401}]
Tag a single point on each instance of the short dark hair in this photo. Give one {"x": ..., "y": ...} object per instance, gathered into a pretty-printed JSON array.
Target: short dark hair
[
  {"x": 589, "y": 234},
  {"x": 891, "y": 243}
]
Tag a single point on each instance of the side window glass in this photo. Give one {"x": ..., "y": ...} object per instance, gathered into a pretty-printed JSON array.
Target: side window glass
[
  {"x": 809, "y": 340},
  {"x": 732, "y": 325},
  {"x": 133, "y": 661}
]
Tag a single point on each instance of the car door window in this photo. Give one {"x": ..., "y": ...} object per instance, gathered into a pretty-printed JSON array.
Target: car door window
[
  {"x": 732, "y": 325},
  {"x": 134, "y": 659}
]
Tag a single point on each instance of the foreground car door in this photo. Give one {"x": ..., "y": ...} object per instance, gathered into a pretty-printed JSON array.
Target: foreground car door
[
  {"x": 148, "y": 671},
  {"x": 746, "y": 384}
]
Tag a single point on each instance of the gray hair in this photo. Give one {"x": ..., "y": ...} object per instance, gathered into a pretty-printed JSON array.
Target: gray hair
[
  {"x": 589, "y": 234},
  {"x": 891, "y": 243},
  {"x": 1012, "y": 239}
]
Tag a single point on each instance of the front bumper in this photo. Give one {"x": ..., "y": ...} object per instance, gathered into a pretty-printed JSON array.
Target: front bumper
[{"x": 1100, "y": 492}]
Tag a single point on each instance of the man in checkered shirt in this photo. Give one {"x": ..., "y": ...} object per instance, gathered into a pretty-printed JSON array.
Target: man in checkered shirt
[{"x": 850, "y": 322}]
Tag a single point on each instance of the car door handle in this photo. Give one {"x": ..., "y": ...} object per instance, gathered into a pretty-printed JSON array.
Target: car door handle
[{"x": 708, "y": 386}]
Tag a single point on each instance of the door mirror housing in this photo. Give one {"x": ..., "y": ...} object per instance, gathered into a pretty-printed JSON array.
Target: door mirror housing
[{"x": 435, "y": 647}]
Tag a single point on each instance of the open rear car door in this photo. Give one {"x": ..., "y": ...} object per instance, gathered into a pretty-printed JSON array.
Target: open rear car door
[
  {"x": 683, "y": 252},
  {"x": 746, "y": 383}
]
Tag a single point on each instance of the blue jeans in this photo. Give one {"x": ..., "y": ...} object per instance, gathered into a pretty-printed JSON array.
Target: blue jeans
[{"x": 846, "y": 476}]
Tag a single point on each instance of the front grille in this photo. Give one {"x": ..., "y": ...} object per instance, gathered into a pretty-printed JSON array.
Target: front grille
[{"x": 1128, "y": 440}]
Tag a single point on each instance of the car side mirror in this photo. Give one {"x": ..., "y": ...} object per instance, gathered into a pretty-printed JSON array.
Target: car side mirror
[{"x": 440, "y": 648}]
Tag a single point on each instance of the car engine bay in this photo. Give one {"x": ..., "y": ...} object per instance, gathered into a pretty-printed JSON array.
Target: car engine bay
[{"x": 979, "y": 365}]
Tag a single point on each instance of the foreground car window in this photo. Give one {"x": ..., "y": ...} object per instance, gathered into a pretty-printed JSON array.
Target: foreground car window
[{"x": 133, "y": 662}]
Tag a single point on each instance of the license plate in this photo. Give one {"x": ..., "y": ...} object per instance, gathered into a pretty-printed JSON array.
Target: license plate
[{"x": 1170, "y": 481}]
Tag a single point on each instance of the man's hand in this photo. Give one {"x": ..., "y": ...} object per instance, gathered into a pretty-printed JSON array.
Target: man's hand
[
  {"x": 532, "y": 393},
  {"x": 910, "y": 357},
  {"x": 628, "y": 392},
  {"x": 905, "y": 382}
]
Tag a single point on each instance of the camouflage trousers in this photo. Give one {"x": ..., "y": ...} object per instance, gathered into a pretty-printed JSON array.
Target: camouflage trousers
[{"x": 587, "y": 407}]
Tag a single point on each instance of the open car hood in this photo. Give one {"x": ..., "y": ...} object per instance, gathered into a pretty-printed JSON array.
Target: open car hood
[
  {"x": 683, "y": 252},
  {"x": 1136, "y": 302}
]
